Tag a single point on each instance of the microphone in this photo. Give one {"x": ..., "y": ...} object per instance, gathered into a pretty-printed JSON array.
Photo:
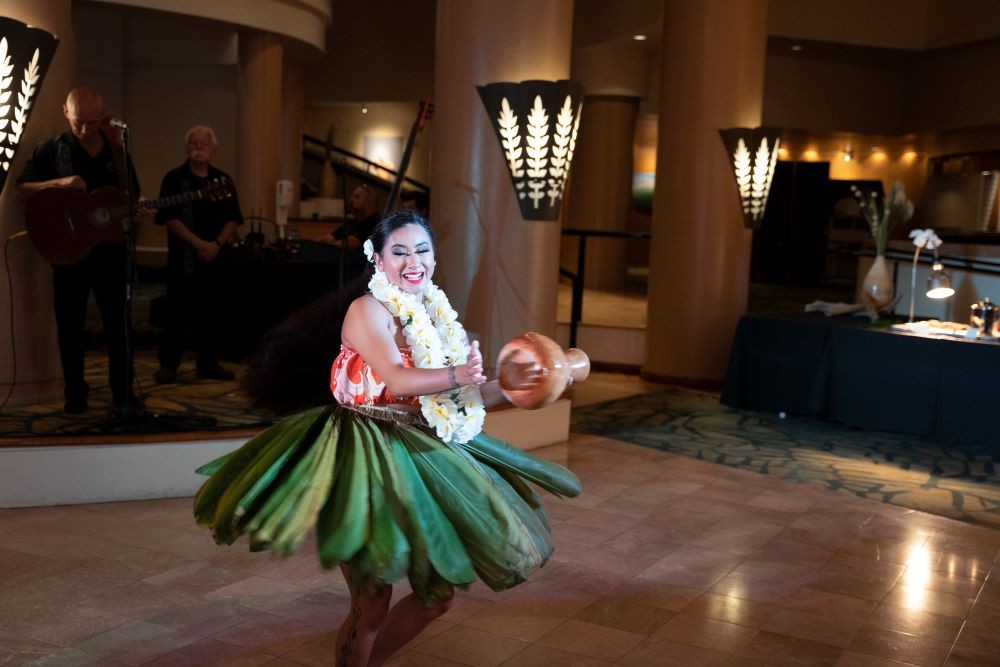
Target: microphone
[{"x": 119, "y": 123}]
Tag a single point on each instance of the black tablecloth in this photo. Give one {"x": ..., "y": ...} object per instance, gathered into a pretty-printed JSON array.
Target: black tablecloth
[
  {"x": 842, "y": 369},
  {"x": 264, "y": 292}
]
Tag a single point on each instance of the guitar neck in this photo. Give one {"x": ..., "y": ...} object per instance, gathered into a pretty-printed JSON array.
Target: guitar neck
[
  {"x": 162, "y": 202},
  {"x": 397, "y": 185},
  {"x": 174, "y": 200}
]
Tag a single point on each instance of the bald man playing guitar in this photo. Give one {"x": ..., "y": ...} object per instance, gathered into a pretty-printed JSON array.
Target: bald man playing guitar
[{"x": 83, "y": 160}]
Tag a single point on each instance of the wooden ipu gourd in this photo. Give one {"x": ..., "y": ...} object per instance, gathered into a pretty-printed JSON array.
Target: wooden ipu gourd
[{"x": 534, "y": 371}]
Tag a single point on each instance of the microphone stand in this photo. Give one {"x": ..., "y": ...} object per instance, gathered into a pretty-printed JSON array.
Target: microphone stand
[{"x": 131, "y": 407}]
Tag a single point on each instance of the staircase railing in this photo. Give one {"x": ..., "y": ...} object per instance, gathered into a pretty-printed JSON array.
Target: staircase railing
[{"x": 314, "y": 149}]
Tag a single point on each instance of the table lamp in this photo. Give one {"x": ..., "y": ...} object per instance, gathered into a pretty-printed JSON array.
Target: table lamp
[{"x": 939, "y": 282}]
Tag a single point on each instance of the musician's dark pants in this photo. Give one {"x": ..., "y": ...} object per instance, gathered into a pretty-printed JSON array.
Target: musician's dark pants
[
  {"x": 103, "y": 271},
  {"x": 194, "y": 303}
]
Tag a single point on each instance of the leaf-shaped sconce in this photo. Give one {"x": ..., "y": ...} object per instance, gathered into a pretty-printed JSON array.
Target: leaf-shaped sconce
[
  {"x": 753, "y": 155},
  {"x": 25, "y": 55},
  {"x": 536, "y": 123}
]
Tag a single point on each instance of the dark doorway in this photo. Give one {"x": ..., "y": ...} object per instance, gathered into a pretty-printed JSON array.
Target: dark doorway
[{"x": 790, "y": 246}]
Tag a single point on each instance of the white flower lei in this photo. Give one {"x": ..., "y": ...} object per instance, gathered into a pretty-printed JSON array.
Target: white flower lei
[{"x": 437, "y": 339}]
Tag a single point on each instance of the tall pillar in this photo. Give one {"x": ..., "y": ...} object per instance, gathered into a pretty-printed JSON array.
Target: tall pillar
[
  {"x": 39, "y": 375},
  {"x": 500, "y": 271},
  {"x": 260, "y": 127},
  {"x": 292, "y": 112},
  {"x": 712, "y": 77}
]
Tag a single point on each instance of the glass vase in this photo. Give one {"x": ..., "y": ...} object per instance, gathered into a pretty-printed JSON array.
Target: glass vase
[{"x": 876, "y": 287}]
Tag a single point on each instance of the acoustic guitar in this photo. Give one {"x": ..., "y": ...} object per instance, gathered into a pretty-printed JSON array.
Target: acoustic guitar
[{"x": 65, "y": 225}]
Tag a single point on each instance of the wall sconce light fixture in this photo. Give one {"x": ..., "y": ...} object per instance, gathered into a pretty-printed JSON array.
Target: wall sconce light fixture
[
  {"x": 753, "y": 154},
  {"x": 25, "y": 54},
  {"x": 536, "y": 123}
]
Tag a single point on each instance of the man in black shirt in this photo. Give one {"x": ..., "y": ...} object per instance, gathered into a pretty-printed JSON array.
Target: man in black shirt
[
  {"x": 359, "y": 225},
  {"x": 197, "y": 232},
  {"x": 361, "y": 221},
  {"x": 83, "y": 159}
]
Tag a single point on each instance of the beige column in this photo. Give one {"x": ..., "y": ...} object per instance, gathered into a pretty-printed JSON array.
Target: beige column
[
  {"x": 602, "y": 187},
  {"x": 500, "y": 271},
  {"x": 292, "y": 111},
  {"x": 712, "y": 77},
  {"x": 260, "y": 131},
  {"x": 39, "y": 374}
]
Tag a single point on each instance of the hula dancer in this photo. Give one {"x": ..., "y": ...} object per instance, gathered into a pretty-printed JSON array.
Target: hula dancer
[{"x": 395, "y": 475}]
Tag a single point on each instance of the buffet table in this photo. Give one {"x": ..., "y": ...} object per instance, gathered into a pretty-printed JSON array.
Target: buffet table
[{"x": 842, "y": 369}]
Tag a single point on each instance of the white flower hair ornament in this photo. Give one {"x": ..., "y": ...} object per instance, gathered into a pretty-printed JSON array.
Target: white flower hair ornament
[
  {"x": 369, "y": 248},
  {"x": 925, "y": 238}
]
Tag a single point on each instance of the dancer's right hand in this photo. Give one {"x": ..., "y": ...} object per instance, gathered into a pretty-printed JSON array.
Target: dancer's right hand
[{"x": 471, "y": 372}]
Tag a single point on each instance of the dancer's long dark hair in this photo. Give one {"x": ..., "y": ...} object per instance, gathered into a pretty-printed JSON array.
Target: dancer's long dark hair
[{"x": 291, "y": 368}]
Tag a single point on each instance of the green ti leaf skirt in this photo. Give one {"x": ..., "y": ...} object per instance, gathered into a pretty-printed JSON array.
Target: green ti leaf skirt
[{"x": 388, "y": 497}]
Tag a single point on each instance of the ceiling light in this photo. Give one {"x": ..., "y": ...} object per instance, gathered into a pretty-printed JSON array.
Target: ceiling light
[{"x": 639, "y": 38}]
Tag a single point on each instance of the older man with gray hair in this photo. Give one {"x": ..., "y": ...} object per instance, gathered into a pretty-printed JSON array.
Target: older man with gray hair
[{"x": 198, "y": 231}]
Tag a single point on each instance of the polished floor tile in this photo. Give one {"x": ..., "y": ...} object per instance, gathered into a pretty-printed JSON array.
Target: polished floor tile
[{"x": 664, "y": 560}]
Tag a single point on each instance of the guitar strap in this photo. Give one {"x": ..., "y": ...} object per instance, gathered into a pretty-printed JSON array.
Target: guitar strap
[{"x": 64, "y": 158}]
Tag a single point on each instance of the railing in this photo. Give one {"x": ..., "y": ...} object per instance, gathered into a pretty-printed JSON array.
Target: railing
[
  {"x": 576, "y": 279},
  {"x": 983, "y": 266},
  {"x": 314, "y": 148}
]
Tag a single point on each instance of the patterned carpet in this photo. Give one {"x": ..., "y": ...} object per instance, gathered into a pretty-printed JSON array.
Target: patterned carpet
[
  {"x": 190, "y": 404},
  {"x": 893, "y": 468}
]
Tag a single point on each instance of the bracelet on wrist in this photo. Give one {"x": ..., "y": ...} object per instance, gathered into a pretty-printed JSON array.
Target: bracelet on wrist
[{"x": 451, "y": 376}]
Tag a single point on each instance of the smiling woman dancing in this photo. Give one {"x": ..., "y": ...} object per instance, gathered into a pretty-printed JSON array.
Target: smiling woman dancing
[{"x": 395, "y": 476}]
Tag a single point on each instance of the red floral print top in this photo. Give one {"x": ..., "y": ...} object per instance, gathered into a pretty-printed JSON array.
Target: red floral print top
[{"x": 354, "y": 382}]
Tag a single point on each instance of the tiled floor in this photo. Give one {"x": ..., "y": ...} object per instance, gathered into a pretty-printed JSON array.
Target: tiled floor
[{"x": 664, "y": 560}]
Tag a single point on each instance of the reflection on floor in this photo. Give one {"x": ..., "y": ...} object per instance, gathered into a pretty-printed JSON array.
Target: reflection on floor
[
  {"x": 956, "y": 481},
  {"x": 664, "y": 560}
]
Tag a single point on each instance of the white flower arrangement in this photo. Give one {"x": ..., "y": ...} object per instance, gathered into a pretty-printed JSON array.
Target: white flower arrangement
[
  {"x": 436, "y": 340},
  {"x": 925, "y": 238}
]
